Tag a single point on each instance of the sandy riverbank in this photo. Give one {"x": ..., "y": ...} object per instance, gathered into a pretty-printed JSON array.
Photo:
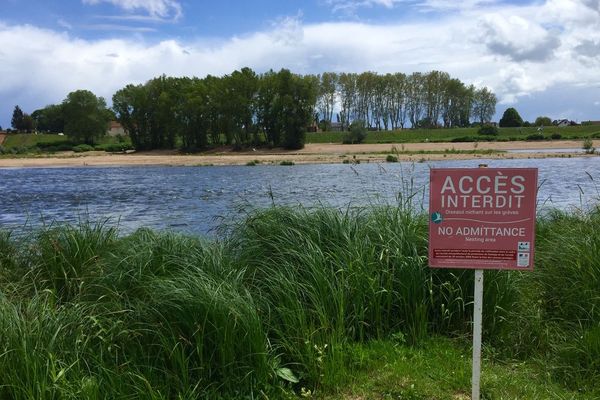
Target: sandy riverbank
[{"x": 312, "y": 153}]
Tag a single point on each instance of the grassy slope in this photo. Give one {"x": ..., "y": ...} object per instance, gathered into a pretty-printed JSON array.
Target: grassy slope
[
  {"x": 446, "y": 135},
  {"x": 30, "y": 140},
  {"x": 25, "y": 143}
]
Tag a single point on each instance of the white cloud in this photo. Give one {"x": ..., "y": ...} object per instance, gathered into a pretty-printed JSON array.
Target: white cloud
[
  {"x": 518, "y": 38},
  {"x": 516, "y": 51},
  {"x": 164, "y": 9},
  {"x": 350, "y": 6}
]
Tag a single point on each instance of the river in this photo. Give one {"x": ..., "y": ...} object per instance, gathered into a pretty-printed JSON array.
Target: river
[{"x": 199, "y": 199}]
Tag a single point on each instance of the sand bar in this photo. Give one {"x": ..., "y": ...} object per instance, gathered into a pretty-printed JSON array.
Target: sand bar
[{"x": 312, "y": 153}]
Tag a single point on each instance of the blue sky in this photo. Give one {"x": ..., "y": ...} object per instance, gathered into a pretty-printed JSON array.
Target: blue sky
[{"x": 541, "y": 57}]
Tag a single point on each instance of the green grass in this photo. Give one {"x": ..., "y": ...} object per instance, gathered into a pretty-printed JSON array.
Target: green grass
[
  {"x": 27, "y": 143},
  {"x": 28, "y": 140},
  {"x": 448, "y": 135},
  {"x": 440, "y": 368},
  {"x": 287, "y": 302}
]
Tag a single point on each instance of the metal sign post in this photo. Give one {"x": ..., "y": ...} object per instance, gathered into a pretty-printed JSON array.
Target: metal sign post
[{"x": 477, "y": 316}]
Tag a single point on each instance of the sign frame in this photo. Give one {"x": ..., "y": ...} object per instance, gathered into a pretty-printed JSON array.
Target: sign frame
[{"x": 478, "y": 215}]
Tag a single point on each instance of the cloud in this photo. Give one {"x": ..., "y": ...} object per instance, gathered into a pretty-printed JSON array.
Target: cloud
[
  {"x": 163, "y": 9},
  {"x": 519, "y": 52},
  {"x": 518, "y": 38},
  {"x": 350, "y": 6},
  {"x": 588, "y": 48},
  {"x": 64, "y": 24}
]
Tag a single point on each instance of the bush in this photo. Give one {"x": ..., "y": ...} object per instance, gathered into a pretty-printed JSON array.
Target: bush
[
  {"x": 357, "y": 134},
  {"x": 556, "y": 136},
  {"x": 391, "y": 158},
  {"x": 535, "y": 136},
  {"x": 286, "y": 162},
  {"x": 588, "y": 146},
  {"x": 114, "y": 147},
  {"x": 463, "y": 139},
  {"x": 65, "y": 144},
  {"x": 488, "y": 130},
  {"x": 80, "y": 148}
]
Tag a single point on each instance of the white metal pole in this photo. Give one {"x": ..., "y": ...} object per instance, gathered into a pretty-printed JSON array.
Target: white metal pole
[{"x": 477, "y": 312}]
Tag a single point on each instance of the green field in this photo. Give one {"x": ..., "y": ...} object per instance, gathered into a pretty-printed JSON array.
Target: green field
[
  {"x": 448, "y": 135},
  {"x": 293, "y": 303}
]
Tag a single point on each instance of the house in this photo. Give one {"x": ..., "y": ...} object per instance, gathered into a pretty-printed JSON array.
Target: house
[
  {"x": 561, "y": 122},
  {"x": 115, "y": 129}
]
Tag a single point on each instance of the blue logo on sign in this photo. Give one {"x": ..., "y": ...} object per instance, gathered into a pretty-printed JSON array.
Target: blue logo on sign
[{"x": 436, "y": 217}]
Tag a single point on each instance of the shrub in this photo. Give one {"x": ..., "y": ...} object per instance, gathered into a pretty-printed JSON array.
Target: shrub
[
  {"x": 286, "y": 162},
  {"x": 114, "y": 147},
  {"x": 357, "y": 134},
  {"x": 391, "y": 158},
  {"x": 588, "y": 146},
  {"x": 80, "y": 148},
  {"x": 488, "y": 130},
  {"x": 535, "y": 136},
  {"x": 556, "y": 136},
  {"x": 58, "y": 147},
  {"x": 462, "y": 139}
]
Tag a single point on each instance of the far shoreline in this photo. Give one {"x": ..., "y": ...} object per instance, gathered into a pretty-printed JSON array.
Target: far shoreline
[{"x": 312, "y": 153}]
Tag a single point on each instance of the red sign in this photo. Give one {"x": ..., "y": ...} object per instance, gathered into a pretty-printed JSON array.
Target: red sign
[{"x": 482, "y": 218}]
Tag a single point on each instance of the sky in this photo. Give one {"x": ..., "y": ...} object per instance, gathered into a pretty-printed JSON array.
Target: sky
[{"x": 541, "y": 57}]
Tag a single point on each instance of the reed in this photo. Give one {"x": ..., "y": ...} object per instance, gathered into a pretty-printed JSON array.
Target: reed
[{"x": 276, "y": 305}]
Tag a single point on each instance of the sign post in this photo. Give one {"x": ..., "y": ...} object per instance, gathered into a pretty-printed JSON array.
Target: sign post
[{"x": 482, "y": 218}]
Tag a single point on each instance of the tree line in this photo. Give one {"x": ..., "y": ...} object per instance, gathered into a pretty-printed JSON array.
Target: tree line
[
  {"x": 273, "y": 108},
  {"x": 397, "y": 101}
]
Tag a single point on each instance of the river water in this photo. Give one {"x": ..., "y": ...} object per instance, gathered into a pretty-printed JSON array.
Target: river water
[{"x": 199, "y": 199}]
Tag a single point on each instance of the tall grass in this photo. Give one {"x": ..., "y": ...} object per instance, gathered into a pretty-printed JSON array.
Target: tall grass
[{"x": 274, "y": 306}]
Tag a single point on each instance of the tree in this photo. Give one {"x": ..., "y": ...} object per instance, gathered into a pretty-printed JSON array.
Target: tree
[
  {"x": 347, "y": 94},
  {"x": 511, "y": 119},
  {"x": 415, "y": 101},
  {"x": 484, "y": 105},
  {"x": 28, "y": 124},
  {"x": 86, "y": 116},
  {"x": 17, "y": 119},
  {"x": 542, "y": 121},
  {"x": 49, "y": 119},
  {"x": 285, "y": 106},
  {"x": 326, "y": 98}
]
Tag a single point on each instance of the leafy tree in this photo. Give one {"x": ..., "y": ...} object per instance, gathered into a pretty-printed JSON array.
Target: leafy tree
[
  {"x": 397, "y": 104},
  {"x": 285, "y": 106},
  {"x": 415, "y": 98},
  {"x": 49, "y": 118},
  {"x": 511, "y": 118},
  {"x": 17, "y": 119},
  {"x": 347, "y": 94},
  {"x": 327, "y": 96},
  {"x": 86, "y": 116},
  {"x": 542, "y": 121},
  {"x": 28, "y": 124},
  {"x": 484, "y": 105}
]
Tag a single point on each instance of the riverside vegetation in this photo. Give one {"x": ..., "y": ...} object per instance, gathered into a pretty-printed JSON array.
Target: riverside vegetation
[{"x": 291, "y": 302}]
